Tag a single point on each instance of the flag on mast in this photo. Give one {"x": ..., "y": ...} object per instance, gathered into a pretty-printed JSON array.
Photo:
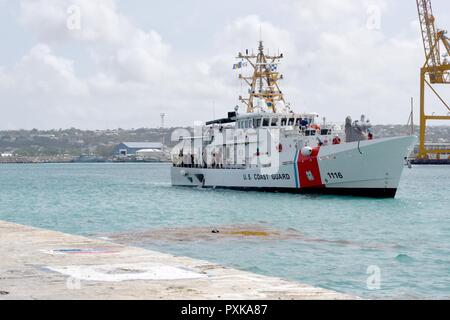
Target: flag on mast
[{"x": 239, "y": 65}]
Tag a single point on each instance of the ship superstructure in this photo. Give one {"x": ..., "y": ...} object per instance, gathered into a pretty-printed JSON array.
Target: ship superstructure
[{"x": 272, "y": 148}]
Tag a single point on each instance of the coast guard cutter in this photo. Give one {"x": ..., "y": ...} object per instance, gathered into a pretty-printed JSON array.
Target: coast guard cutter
[{"x": 272, "y": 148}]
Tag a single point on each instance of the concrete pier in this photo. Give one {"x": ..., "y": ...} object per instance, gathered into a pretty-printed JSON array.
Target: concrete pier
[{"x": 43, "y": 264}]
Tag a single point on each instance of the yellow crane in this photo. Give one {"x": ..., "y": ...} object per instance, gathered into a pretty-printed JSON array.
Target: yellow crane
[{"x": 436, "y": 70}]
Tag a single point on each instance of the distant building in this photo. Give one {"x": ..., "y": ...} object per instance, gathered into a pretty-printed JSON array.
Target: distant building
[
  {"x": 132, "y": 148},
  {"x": 6, "y": 155}
]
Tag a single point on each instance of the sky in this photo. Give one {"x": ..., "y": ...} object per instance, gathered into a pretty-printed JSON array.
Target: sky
[{"x": 104, "y": 64}]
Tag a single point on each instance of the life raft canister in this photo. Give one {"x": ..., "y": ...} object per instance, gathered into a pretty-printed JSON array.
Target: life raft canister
[
  {"x": 337, "y": 140},
  {"x": 306, "y": 151}
]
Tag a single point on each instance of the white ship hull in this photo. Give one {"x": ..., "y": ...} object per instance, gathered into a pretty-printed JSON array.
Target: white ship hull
[{"x": 366, "y": 168}]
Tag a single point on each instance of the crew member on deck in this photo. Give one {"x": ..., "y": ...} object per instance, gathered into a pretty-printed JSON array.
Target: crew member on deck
[
  {"x": 205, "y": 158},
  {"x": 213, "y": 160},
  {"x": 181, "y": 156}
]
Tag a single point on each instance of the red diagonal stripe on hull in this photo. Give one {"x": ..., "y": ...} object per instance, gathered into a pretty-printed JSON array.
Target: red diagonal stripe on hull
[{"x": 308, "y": 170}]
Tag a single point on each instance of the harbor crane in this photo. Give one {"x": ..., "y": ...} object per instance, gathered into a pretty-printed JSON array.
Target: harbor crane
[{"x": 435, "y": 71}]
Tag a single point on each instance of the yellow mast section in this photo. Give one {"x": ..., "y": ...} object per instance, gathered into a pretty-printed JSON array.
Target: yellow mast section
[{"x": 264, "y": 81}]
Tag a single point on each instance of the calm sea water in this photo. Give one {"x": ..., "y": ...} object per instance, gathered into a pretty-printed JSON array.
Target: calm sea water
[{"x": 407, "y": 238}]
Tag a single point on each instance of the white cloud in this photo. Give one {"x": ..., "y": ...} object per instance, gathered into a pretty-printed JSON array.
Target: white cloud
[
  {"x": 100, "y": 21},
  {"x": 132, "y": 53},
  {"x": 245, "y": 31},
  {"x": 344, "y": 68},
  {"x": 42, "y": 72},
  {"x": 334, "y": 65},
  {"x": 315, "y": 13}
]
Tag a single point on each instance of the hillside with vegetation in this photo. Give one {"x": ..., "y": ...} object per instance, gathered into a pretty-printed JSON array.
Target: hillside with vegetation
[{"x": 75, "y": 142}]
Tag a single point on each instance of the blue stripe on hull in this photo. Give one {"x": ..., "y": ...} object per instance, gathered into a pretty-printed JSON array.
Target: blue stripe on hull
[{"x": 296, "y": 169}]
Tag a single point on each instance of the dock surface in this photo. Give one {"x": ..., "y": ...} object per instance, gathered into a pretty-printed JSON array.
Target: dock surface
[{"x": 42, "y": 264}]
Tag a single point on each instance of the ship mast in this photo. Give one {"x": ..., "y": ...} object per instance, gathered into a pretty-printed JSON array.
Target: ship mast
[{"x": 263, "y": 83}]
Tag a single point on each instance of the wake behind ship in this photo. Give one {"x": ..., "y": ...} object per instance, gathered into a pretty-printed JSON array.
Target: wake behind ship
[{"x": 272, "y": 148}]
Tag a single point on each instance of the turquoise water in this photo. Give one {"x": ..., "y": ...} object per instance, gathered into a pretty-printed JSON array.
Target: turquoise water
[{"x": 407, "y": 238}]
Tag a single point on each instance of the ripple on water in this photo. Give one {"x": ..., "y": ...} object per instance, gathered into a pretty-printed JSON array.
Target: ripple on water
[
  {"x": 337, "y": 238},
  {"x": 404, "y": 258}
]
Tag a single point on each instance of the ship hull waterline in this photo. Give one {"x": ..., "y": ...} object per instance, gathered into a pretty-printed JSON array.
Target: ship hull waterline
[{"x": 365, "y": 169}]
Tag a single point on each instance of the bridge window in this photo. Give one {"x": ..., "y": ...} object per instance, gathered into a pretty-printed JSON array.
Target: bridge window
[
  {"x": 266, "y": 122},
  {"x": 274, "y": 122}
]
